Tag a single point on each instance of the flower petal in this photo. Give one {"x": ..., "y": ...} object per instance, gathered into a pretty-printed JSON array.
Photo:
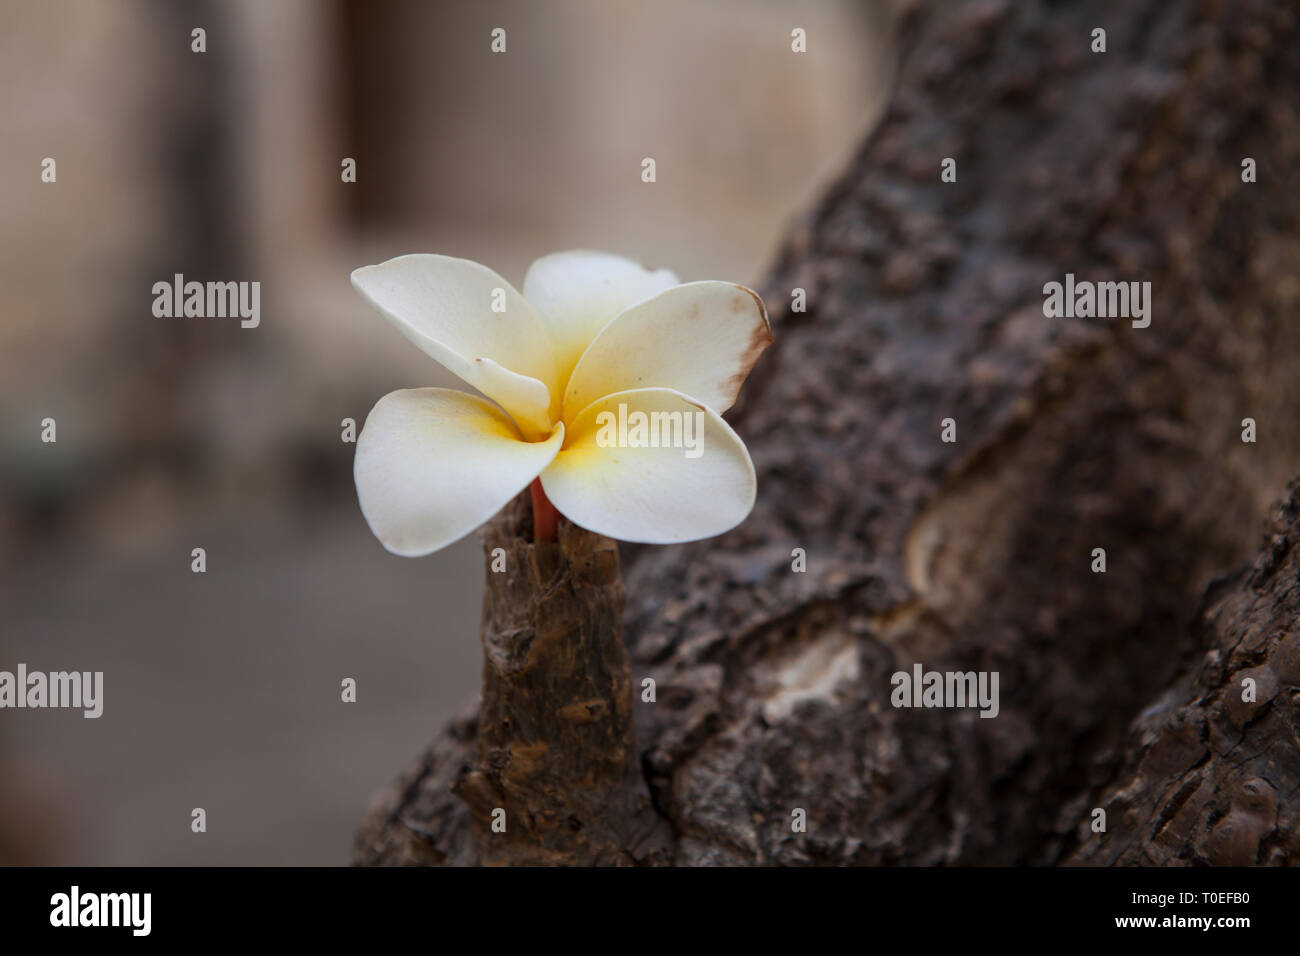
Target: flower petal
[
  {"x": 701, "y": 338},
  {"x": 656, "y": 495},
  {"x": 579, "y": 292},
  {"x": 445, "y": 306},
  {"x": 432, "y": 464},
  {"x": 526, "y": 399}
]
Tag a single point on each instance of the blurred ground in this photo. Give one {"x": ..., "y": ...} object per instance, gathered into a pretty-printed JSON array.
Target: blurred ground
[{"x": 222, "y": 689}]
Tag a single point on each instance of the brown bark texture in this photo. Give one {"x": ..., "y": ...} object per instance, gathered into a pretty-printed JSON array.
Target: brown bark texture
[
  {"x": 925, "y": 303},
  {"x": 555, "y": 749},
  {"x": 1212, "y": 768}
]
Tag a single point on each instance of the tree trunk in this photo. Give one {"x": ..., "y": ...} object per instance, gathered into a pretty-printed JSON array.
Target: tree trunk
[
  {"x": 926, "y": 303},
  {"x": 1212, "y": 768}
]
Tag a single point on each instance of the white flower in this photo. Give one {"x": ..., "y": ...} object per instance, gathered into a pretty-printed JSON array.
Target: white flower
[{"x": 591, "y": 331}]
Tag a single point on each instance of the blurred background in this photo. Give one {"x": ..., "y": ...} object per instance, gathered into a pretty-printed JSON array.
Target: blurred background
[{"x": 222, "y": 690}]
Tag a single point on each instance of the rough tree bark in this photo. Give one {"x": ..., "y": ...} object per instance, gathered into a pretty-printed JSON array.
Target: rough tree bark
[
  {"x": 1212, "y": 772},
  {"x": 925, "y": 303},
  {"x": 555, "y": 755}
]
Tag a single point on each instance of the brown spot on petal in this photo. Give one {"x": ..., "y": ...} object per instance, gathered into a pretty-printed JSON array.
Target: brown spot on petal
[{"x": 760, "y": 338}]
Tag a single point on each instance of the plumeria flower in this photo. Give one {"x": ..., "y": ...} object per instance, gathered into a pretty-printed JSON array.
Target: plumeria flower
[{"x": 591, "y": 333}]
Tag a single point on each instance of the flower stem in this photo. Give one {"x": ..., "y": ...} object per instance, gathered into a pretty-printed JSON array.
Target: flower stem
[
  {"x": 556, "y": 739},
  {"x": 545, "y": 517}
]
